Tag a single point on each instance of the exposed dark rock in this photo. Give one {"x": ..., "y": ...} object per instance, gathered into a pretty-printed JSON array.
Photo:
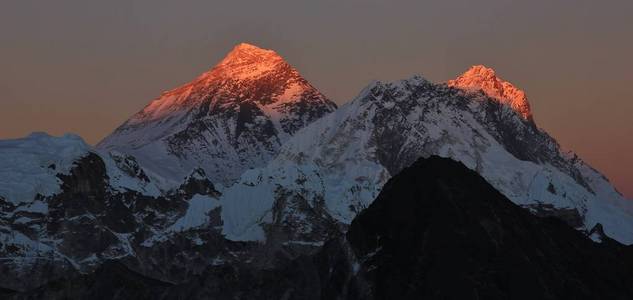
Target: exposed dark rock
[
  {"x": 6, "y": 206},
  {"x": 571, "y": 216},
  {"x": 86, "y": 223},
  {"x": 129, "y": 165},
  {"x": 87, "y": 178},
  {"x": 551, "y": 188},
  {"x": 197, "y": 183},
  {"x": 248, "y": 116}
]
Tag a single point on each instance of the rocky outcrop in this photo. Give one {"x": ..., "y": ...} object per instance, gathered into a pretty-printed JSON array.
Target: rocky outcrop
[
  {"x": 129, "y": 165},
  {"x": 197, "y": 183},
  {"x": 86, "y": 223},
  {"x": 571, "y": 216}
]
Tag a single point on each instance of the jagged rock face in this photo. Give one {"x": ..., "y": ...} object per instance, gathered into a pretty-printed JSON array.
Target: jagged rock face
[
  {"x": 231, "y": 118},
  {"x": 344, "y": 159},
  {"x": 437, "y": 230},
  {"x": 79, "y": 209},
  {"x": 78, "y": 228},
  {"x": 53, "y": 200},
  {"x": 129, "y": 165}
]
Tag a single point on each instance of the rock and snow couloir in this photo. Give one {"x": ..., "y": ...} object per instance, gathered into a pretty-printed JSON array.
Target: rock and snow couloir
[{"x": 232, "y": 118}]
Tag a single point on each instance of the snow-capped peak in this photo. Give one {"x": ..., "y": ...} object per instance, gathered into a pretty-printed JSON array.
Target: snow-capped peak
[
  {"x": 246, "y": 61},
  {"x": 480, "y": 77},
  {"x": 229, "y": 119},
  {"x": 247, "y": 53},
  {"x": 245, "y": 73},
  {"x": 246, "y": 47}
]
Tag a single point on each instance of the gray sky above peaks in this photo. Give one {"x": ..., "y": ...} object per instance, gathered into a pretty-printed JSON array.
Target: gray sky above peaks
[{"x": 86, "y": 66}]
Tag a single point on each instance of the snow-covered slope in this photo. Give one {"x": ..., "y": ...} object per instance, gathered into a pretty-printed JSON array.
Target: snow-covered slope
[
  {"x": 337, "y": 165},
  {"x": 30, "y": 167},
  {"x": 230, "y": 119}
]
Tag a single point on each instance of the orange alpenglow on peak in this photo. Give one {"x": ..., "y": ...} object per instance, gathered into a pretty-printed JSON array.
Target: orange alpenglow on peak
[
  {"x": 247, "y": 53},
  {"x": 247, "y": 61},
  {"x": 244, "y": 63},
  {"x": 483, "y": 78},
  {"x": 247, "y": 72},
  {"x": 246, "y": 47}
]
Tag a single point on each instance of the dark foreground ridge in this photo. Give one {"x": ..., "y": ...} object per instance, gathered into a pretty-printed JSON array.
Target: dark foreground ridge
[{"x": 437, "y": 231}]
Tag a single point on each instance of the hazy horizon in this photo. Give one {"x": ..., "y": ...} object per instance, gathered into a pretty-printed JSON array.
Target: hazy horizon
[{"x": 72, "y": 66}]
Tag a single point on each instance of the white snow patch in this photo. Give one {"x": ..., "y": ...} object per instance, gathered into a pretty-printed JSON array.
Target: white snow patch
[
  {"x": 28, "y": 166},
  {"x": 197, "y": 213}
]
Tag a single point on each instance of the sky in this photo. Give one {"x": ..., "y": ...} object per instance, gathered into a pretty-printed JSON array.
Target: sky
[{"x": 85, "y": 66}]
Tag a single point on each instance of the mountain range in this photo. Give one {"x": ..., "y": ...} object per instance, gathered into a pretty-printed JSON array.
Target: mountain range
[{"x": 250, "y": 172}]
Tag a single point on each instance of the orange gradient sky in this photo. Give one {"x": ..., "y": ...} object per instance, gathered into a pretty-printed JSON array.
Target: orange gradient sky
[{"x": 86, "y": 66}]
